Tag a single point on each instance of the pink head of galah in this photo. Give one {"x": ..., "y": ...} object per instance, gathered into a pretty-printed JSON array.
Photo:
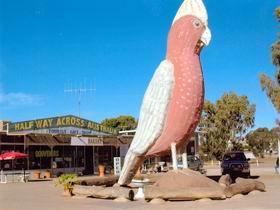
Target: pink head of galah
[{"x": 196, "y": 8}]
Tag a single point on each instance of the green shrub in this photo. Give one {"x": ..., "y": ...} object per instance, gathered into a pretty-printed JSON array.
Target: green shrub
[{"x": 66, "y": 181}]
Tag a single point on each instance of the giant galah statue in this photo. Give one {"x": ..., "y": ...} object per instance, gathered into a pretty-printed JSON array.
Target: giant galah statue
[{"x": 173, "y": 102}]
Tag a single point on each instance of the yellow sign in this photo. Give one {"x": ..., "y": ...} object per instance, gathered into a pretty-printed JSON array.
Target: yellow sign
[
  {"x": 46, "y": 153},
  {"x": 56, "y": 122}
]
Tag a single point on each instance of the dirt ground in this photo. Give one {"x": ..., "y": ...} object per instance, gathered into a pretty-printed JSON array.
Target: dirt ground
[{"x": 43, "y": 195}]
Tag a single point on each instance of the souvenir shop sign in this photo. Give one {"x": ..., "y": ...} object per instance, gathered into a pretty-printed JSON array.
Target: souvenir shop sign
[
  {"x": 46, "y": 153},
  {"x": 86, "y": 141}
]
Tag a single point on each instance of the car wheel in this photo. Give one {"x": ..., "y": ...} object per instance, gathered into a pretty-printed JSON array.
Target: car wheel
[{"x": 247, "y": 175}]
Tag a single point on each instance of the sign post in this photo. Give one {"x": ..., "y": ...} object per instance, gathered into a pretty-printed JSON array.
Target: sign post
[{"x": 117, "y": 166}]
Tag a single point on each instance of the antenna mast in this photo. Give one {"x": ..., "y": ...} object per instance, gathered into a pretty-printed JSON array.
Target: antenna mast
[{"x": 79, "y": 91}]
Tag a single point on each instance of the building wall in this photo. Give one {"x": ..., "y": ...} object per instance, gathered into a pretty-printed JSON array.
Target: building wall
[
  {"x": 3, "y": 125},
  {"x": 59, "y": 158}
]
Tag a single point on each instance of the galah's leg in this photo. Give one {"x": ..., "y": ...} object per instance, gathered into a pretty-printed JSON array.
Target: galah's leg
[
  {"x": 185, "y": 157},
  {"x": 174, "y": 156},
  {"x": 131, "y": 164},
  {"x": 278, "y": 156}
]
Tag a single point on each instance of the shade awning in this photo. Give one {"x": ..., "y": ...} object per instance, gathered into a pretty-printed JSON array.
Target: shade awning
[
  {"x": 43, "y": 139},
  {"x": 53, "y": 140}
]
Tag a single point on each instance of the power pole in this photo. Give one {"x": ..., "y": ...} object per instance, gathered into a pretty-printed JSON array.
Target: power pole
[{"x": 78, "y": 92}]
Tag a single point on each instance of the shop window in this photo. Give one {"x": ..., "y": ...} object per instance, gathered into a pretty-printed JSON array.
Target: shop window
[
  {"x": 58, "y": 161},
  {"x": 105, "y": 155},
  {"x": 69, "y": 156},
  {"x": 80, "y": 156},
  {"x": 19, "y": 164},
  {"x": 46, "y": 155},
  {"x": 40, "y": 157},
  {"x": 66, "y": 157},
  {"x": 34, "y": 160}
]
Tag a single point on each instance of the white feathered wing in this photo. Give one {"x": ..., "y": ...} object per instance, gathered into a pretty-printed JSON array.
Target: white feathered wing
[{"x": 151, "y": 120}]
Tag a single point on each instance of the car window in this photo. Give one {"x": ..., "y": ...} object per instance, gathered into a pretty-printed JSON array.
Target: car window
[
  {"x": 191, "y": 158},
  {"x": 234, "y": 156}
]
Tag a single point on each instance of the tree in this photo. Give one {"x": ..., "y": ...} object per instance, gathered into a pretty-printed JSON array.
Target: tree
[
  {"x": 225, "y": 121},
  {"x": 275, "y": 132},
  {"x": 261, "y": 140},
  {"x": 269, "y": 85},
  {"x": 215, "y": 144},
  {"x": 237, "y": 146},
  {"x": 121, "y": 122}
]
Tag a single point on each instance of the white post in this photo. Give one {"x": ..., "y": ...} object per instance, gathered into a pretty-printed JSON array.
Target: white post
[
  {"x": 7, "y": 128},
  {"x": 2, "y": 177},
  {"x": 185, "y": 157},
  {"x": 279, "y": 155},
  {"x": 174, "y": 156}
]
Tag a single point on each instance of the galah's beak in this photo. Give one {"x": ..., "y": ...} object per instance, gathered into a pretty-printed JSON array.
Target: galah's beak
[{"x": 196, "y": 8}]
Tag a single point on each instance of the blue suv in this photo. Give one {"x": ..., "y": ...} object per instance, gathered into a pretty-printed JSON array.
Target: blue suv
[{"x": 235, "y": 164}]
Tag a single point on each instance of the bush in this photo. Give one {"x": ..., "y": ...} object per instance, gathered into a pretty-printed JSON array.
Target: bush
[{"x": 67, "y": 181}]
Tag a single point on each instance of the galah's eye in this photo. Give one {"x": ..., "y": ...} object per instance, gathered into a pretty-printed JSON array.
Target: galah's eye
[{"x": 196, "y": 23}]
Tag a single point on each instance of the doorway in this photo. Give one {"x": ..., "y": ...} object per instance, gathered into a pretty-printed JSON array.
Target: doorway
[{"x": 89, "y": 166}]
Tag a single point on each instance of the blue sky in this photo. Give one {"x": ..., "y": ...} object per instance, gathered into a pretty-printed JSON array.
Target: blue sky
[{"x": 47, "y": 46}]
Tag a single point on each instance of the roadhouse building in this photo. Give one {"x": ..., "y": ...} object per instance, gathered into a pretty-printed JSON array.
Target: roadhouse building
[
  {"x": 69, "y": 144},
  {"x": 62, "y": 144}
]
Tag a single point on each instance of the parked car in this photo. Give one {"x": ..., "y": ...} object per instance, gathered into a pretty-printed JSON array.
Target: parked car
[
  {"x": 194, "y": 163},
  {"x": 235, "y": 164}
]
